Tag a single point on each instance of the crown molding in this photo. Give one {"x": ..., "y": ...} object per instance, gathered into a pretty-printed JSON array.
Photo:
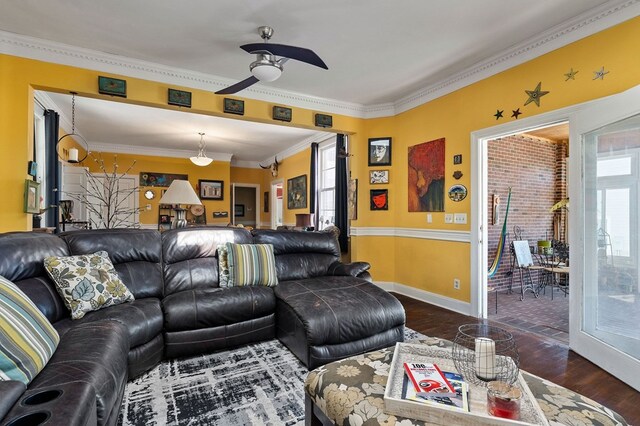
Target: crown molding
[
  {"x": 581, "y": 26},
  {"x": 159, "y": 152},
  {"x": 245, "y": 164},
  {"x": 586, "y": 24},
  {"x": 60, "y": 53}
]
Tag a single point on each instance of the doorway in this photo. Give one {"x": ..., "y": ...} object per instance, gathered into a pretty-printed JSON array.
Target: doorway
[
  {"x": 277, "y": 196},
  {"x": 532, "y": 168},
  {"x": 245, "y": 205}
]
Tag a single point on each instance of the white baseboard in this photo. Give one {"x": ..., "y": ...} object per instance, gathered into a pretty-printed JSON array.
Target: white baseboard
[{"x": 426, "y": 296}]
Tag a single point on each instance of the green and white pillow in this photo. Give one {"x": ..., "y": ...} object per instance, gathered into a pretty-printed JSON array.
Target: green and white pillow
[
  {"x": 251, "y": 264},
  {"x": 27, "y": 338},
  {"x": 87, "y": 282}
]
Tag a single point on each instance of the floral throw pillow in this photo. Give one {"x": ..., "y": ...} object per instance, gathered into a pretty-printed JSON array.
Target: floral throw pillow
[
  {"x": 223, "y": 266},
  {"x": 87, "y": 282}
]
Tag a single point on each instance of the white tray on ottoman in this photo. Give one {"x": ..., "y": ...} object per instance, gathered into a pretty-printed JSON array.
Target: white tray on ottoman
[{"x": 530, "y": 412}]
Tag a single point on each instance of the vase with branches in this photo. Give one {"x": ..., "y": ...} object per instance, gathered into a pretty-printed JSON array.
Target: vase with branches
[{"x": 105, "y": 198}]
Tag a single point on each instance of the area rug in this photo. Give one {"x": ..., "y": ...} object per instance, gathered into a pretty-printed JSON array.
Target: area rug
[{"x": 257, "y": 384}]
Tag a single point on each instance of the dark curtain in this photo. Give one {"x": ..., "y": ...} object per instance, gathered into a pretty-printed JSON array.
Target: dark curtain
[
  {"x": 313, "y": 184},
  {"x": 52, "y": 166},
  {"x": 342, "y": 185}
]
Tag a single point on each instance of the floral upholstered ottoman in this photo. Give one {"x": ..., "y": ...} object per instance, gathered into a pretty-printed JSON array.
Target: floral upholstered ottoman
[{"x": 350, "y": 392}]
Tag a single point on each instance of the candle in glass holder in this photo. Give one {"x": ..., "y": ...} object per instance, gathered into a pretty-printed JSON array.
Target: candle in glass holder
[
  {"x": 73, "y": 155},
  {"x": 485, "y": 358},
  {"x": 503, "y": 400}
]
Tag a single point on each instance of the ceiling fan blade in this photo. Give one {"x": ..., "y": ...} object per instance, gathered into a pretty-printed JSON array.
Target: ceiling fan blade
[
  {"x": 292, "y": 52},
  {"x": 238, "y": 86}
]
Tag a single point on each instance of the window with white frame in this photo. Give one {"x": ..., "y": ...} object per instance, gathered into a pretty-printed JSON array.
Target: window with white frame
[{"x": 326, "y": 184}]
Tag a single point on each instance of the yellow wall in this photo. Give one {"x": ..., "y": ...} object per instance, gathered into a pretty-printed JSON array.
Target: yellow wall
[
  {"x": 424, "y": 264},
  {"x": 432, "y": 265}
]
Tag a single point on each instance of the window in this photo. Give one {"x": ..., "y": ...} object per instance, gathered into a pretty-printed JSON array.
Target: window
[{"x": 326, "y": 183}]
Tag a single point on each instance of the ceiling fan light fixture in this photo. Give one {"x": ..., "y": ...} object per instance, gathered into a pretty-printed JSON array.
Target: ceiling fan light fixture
[
  {"x": 265, "y": 70},
  {"x": 201, "y": 159}
]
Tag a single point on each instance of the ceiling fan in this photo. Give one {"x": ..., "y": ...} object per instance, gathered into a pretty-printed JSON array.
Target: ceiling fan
[{"x": 267, "y": 67}]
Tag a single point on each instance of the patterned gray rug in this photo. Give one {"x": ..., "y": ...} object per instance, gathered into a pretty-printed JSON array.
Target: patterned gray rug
[{"x": 258, "y": 384}]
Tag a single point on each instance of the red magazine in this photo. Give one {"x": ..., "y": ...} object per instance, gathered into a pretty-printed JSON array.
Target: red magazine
[{"x": 428, "y": 379}]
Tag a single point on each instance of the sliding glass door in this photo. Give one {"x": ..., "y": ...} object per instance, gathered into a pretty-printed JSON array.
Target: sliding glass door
[{"x": 605, "y": 305}]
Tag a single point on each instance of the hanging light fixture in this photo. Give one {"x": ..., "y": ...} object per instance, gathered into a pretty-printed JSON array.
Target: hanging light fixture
[
  {"x": 73, "y": 153},
  {"x": 201, "y": 159}
]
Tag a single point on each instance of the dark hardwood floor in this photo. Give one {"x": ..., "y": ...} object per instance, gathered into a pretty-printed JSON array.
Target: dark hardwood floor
[{"x": 539, "y": 355}]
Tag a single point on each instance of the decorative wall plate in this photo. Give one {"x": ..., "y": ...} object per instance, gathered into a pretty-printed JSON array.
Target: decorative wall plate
[{"x": 458, "y": 193}]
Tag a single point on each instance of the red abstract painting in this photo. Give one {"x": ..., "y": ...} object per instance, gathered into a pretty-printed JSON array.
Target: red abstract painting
[{"x": 426, "y": 177}]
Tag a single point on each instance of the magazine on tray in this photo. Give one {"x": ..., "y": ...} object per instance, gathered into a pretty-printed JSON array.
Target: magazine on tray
[
  {"x": 427, "y": 378},
  {"x": 459, "y": 402}
]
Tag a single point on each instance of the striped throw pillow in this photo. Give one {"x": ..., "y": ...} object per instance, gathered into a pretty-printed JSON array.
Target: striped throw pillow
[
  {"x": 27, "y": 338},
  {"x": 251, "y": 264}
]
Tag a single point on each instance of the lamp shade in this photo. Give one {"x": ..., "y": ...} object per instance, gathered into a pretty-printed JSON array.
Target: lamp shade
[
  {"x": 303, "y": 220},
  {"x": 180, "y": 192}
]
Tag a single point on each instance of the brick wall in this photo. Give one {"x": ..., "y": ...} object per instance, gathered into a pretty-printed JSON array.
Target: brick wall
[{"x": 536, "y": 172}]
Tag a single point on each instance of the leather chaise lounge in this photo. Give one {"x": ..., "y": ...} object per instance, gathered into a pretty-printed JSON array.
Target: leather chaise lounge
[{"x": 321, "y": 309}]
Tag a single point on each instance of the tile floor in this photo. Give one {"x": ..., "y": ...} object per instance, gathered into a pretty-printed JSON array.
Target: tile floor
[{"x": 540, "y": 315}]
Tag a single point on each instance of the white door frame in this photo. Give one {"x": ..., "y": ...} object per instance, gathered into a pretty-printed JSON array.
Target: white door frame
[
  {"x": 233, "y": 200},
  {"x": 479, "y": 193},
  {"x": 274, "y": 200}
]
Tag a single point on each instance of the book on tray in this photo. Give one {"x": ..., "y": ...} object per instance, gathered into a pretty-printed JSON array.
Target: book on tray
[{"x": 427, "y": 384}]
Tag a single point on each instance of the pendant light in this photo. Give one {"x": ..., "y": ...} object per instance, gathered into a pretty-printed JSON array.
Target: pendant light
[
  {"x": 201, "y": 159},
  {"x": 73, "y": 153}
]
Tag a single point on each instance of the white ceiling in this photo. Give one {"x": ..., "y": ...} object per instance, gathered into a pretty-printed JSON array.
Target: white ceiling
[{"x": 378, "y": 51}]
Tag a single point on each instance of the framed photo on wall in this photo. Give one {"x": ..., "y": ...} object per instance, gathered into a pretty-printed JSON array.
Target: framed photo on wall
[
  {"x": 378, "y": 177},
  {"x": 297, "y": 192},
  {"x": 211, "y": 189},
  {"x": 380, "y": 152},
  {"x": 379, "y": 199},
  {"x": 31, "y": 196}
]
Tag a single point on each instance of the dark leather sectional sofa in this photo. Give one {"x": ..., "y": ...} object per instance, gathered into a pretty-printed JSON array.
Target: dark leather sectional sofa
[{"x": 322, "y": 310}]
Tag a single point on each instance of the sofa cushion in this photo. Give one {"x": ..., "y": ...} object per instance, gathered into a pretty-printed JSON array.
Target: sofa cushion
[
  {"x": 212, "y": 307},
  {"x": 190, "y": 256},
  {"x": 251, "y": 264},
  {"x": 300, "y": 255},
  {"x": 223, "y": 266},
  {"x": 135, "y": 253},
  {"x": 27, "y": 338},
  {"x": 93, "y": 353},
  {"x": 87, "y": 282},
  {"x": 141, "y": 317},
  {"x": 339, "y": 309}
]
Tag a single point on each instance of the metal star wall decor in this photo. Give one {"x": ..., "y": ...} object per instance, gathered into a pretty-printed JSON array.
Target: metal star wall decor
[
  {"x": 571, "y": 75},
  {"x": 600, "y": 74},
  {"x": 535, "y": 95},
  {"x": 516, "y": 113},
  {"x": 498, "y": 114}
]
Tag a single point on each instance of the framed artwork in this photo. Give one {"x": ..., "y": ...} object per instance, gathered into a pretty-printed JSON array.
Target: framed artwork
[
  {"x": 426, "y": 177},
  {"x": 211, "y": 189},
  {"x": 323, "y": 120},
  {"x": 379, "y": 199},
  {"x": 179, "y": 98},
  {"x": 457, "y": 193},
  {"x": 112, "y": 86},
  {"x": 352, "y": 199},
  {"x": 219, "y": 215},
  {"x": 378, "y": 177},
  {"x": 282, "y": 113},
  {"x": 31, "y": 196},
  {"x": 266, "y": 202},
  {"x": 380, "y": 152},
  {"x": 160, "y": 179},
  {"x": 238, "y": 210},
  {"x": 297, "y": 192},
  {"x": 233, "y": 106}
]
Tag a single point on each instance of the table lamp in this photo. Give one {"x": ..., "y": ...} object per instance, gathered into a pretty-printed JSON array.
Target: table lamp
[
  {"x": 180, "y": 192},
  {"x": 303, "y": 220}
]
